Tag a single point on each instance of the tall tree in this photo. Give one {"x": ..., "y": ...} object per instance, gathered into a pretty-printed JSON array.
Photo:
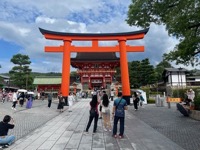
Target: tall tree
[
  {"x": 134, "y": 75},
  {"x": 147, "y": 72},
  {"x": 141, "y": 73},
  {"x": 20, "y": 74},
  {"x": 181, "y": 18},
  {"x": 160, "y": 68}
]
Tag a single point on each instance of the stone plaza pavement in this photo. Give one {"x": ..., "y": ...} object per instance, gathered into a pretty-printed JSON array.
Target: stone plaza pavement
[{"x": 149, "y": 128}]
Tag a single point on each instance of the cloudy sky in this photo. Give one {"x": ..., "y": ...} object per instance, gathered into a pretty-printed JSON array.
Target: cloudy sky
[{"x": 20, "y": 20}]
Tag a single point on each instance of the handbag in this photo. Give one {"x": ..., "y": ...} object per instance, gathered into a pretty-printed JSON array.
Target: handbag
[
  {"x": 93, "y": 112},
  {"x": 103, "y": 110}
]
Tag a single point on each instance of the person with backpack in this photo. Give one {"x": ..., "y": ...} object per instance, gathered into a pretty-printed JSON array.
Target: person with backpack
[
  {"x": 118, "y": 112},
  {"x": 94, "y": 114}
]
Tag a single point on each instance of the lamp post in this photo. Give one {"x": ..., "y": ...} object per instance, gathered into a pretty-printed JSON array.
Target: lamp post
[{"x": 181, "y": 76}]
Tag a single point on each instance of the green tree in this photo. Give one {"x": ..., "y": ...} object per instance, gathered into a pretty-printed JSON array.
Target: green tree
[
  {"x": 181, "y": 18},
  {"x": 147, "y": 73},
  {"x": 20, "y": 74},
  {"x": 134, "y": 74},
  {"x": 141, "y": 73},
  {"x": 160, "y": 68}
]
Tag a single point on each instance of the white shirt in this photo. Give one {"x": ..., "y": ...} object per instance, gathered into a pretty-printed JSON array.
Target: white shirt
[{"x": 14, "y": 98}]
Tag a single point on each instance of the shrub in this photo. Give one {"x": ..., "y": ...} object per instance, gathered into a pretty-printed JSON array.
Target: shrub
[
  {"x": 179, "y": 93},
  {"x": 197, "y": 99},
  {"x": 150, "y": 101}
]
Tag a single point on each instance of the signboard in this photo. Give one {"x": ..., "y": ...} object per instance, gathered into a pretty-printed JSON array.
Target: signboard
[{"x": 173, "y": 100}]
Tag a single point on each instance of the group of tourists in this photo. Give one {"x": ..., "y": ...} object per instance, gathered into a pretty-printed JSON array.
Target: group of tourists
[
  {"x": 62, "y": 101},
  {"x": 117, "y": 112},
  {"x": 5, "y": 95},
  {"x": 21, "y": 97},
  {"x": 100, "y": 108}
]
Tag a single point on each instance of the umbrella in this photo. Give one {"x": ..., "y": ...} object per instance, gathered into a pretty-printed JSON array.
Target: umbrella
[
  {"x": 30, "y": 93},
  {"x": 22, "y": 90},
  {"x": 182, "y": 109},
  {"x": 137, "y": 91}
]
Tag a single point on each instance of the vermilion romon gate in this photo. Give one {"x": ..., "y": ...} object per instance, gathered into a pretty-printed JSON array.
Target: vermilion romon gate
[{"x": 67, "y": 48}]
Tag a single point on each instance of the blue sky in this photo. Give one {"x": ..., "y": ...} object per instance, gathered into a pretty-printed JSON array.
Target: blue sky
[{"x": 20, "y": 20}]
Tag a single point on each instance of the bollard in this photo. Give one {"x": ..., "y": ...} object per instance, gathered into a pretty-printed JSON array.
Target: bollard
[{"x": 169, "y": 105}]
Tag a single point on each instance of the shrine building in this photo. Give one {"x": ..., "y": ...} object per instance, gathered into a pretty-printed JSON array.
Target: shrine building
[{"x": 96, "y": 70}]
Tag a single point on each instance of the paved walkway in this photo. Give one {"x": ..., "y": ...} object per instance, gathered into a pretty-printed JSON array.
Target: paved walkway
[{"x": 149, "y": 128}]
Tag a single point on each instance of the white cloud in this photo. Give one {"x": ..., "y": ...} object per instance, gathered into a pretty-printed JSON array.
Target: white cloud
[
  {"x": 41, "y": 19},
  {"x": 20, "y": 20}
]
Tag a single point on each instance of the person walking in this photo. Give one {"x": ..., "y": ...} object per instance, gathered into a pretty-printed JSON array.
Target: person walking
[
  {"x": 106, "y": 113},
  {"x": 14, "y": 99},
  {"x": 71, "y": 100},
  {"x": 43, "y": 95},
  {"x": 94, "y": 114},
  {"x": 4, "y": 128},
  {"x": 50, "y": 99},
  {"x": 112, "y": 94},
  {"x": 4, "y": 96},
  {"x": 29, "y": 102},
  {"x": 21, "y": 99},
  {"x": 61, "y": 102},
  {"x": 118, "y": 112},
  {"x": 101, "y": 94},
  {"x": 135, "y": 100}
]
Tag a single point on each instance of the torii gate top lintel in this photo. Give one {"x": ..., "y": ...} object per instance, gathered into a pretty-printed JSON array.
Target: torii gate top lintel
[{"x": 92, "y": 36}]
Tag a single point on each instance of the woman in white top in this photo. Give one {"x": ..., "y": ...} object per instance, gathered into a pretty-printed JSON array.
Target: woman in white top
[
  {"x": 106, "y": 113},
  {"x": 70, "y": 101},
  {"x": 14, "y": 99}
]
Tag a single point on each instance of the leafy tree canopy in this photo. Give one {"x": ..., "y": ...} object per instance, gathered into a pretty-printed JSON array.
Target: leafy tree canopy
[
  {"x": 20, "y": 74},
  {"x": 141, "y": 73},
  {"x": 182, "y": 20}
]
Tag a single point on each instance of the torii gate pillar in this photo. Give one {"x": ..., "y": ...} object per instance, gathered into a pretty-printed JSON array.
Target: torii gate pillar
[
  {"x": 124, "y": 71},
  {"x": 66, "y": 68}
]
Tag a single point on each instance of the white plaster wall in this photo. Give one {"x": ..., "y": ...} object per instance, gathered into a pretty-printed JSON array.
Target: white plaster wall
[{"x": 177, "y": 80}]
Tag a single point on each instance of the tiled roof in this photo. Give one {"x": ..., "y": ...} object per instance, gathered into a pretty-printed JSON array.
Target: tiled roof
[
  {"x": 47, "y": 80},
  {"x": 98, "y": 56},
  {"x": 176, "y": 69},
  {"x": 5, "y": 77}
]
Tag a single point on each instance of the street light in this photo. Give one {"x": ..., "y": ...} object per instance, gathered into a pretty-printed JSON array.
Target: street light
[{"x": 181, "y": 75}]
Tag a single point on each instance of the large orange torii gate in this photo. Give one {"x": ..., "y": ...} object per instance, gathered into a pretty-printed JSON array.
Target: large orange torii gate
[{"x": 67, "y": 48}]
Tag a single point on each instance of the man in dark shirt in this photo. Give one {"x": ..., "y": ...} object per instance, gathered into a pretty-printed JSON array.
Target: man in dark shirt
[
  {"x": 119, "y": 108},
  {"x": 6, "y": 139}
]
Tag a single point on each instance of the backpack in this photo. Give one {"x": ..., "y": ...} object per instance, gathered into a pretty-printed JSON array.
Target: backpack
[
  {"x": 141, "y": 98},
  {"x": 93, "y": 112}
]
